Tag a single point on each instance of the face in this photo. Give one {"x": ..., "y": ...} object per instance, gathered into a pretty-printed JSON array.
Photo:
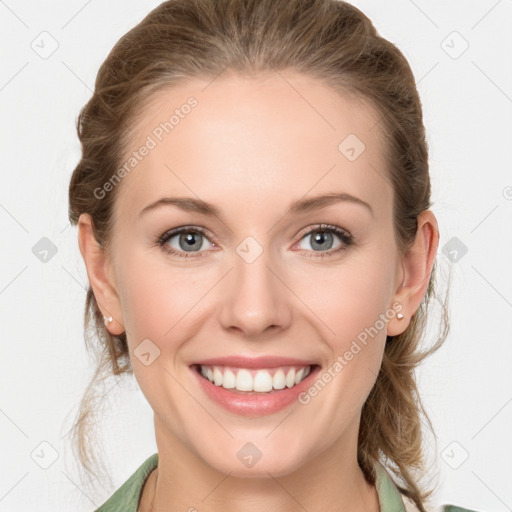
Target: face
[{"x": 275, "y": 279}]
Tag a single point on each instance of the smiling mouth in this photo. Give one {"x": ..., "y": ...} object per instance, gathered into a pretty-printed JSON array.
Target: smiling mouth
[{"x": 254, "y": 381}]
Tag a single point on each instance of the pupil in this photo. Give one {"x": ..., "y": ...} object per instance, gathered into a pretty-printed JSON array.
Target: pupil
[
  {"x": 190, "y": 242},
  {"x": 320, "y": 238}
]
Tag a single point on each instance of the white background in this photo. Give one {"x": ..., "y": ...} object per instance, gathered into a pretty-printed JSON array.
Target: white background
[{"x": 467, "y": 385}]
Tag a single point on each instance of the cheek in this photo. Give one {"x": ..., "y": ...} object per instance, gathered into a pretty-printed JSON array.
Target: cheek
[
  {"x": 351, "y": 304},
  {"x": 144, "y": 300},
  {"x": 158, "y": 305},
  {"x": 350, "y": 297},
  {"x": 157, "y": 299}
]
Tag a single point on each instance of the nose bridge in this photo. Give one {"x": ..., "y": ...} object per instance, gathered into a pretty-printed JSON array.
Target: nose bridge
[{"x": 256, "y": 299}]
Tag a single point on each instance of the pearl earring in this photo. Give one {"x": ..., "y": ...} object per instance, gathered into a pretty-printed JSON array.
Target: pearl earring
[
  {"x": 107, "y": 320},
  {"x": 400, "y": 316}
]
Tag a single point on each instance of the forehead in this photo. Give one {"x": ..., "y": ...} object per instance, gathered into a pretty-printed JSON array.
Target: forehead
[{"x": 253, "y": 139}]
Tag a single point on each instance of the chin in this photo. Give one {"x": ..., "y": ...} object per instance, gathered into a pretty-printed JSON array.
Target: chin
[{"x": 246, "y": 460}]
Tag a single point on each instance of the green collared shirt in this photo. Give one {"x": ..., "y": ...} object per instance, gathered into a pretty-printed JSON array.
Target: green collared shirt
[{"x": 126, "y": 498}]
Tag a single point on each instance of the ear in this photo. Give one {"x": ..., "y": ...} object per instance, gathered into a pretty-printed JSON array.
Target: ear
[
  {"x": 99, "y": 271},
  {"x": 416, "y": 268}
]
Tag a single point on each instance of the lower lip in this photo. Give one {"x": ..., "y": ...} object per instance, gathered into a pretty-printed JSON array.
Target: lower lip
[{"x": 254, "y": 404}]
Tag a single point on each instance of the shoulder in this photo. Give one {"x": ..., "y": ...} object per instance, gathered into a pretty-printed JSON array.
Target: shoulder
[
  {"x": 410, "y": 506},
  {"x": 126, "y": 498},
  {"x": 455, "y": 508}
]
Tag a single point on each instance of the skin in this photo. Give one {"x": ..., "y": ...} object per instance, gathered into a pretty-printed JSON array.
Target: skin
[{"x": 251, "y": 147}]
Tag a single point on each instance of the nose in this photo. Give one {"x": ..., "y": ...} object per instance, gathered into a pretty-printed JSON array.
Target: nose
[{"x": 256, "y": 298}]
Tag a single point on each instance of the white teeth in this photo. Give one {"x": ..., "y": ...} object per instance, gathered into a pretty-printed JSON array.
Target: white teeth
[
  {"x": 243, "y": 381},
  {"x": 279, "y": 380},
  {"x": 217, "y": 377},
  {"x": 229, "y": 380},
  {"x": 290, "y": 378},
  {"x": 261, "y": 381}
]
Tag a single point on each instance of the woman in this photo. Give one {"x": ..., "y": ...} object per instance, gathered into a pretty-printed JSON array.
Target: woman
[{"x": 252, "y": 206}]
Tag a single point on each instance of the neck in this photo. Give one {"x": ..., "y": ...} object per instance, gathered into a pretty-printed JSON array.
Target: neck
[{"x": 329, "y": 481}]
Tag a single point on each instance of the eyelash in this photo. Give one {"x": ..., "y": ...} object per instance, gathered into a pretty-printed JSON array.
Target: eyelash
[{"x": 344, "y": 235}]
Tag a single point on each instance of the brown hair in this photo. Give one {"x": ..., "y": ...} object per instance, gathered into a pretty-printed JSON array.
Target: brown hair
[{"x": 325, "y": 39}]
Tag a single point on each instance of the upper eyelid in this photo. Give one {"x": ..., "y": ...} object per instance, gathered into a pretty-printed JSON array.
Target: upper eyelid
[
  {"x": 326, "y": 227},
  {"x": 170, "y": 233}
]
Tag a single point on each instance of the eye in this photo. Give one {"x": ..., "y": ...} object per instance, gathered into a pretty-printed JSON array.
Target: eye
[
  {"x": 184, "y": 240},
  {"x": 322, "y": 238}
]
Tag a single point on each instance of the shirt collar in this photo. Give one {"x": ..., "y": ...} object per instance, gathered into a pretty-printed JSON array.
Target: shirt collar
[{"x": 390, "y": 499}]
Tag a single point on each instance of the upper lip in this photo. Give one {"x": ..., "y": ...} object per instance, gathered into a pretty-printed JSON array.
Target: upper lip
[{"x": 254, "y": 362}]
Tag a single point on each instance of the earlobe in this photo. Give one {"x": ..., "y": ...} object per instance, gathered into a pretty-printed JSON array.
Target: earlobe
[
  {"x": 98, "y": 265},
  {"x": 416, "y": 265}
]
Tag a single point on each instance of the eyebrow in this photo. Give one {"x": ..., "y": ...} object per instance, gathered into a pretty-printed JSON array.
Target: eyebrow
[{"x": 191, "y": 204}]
